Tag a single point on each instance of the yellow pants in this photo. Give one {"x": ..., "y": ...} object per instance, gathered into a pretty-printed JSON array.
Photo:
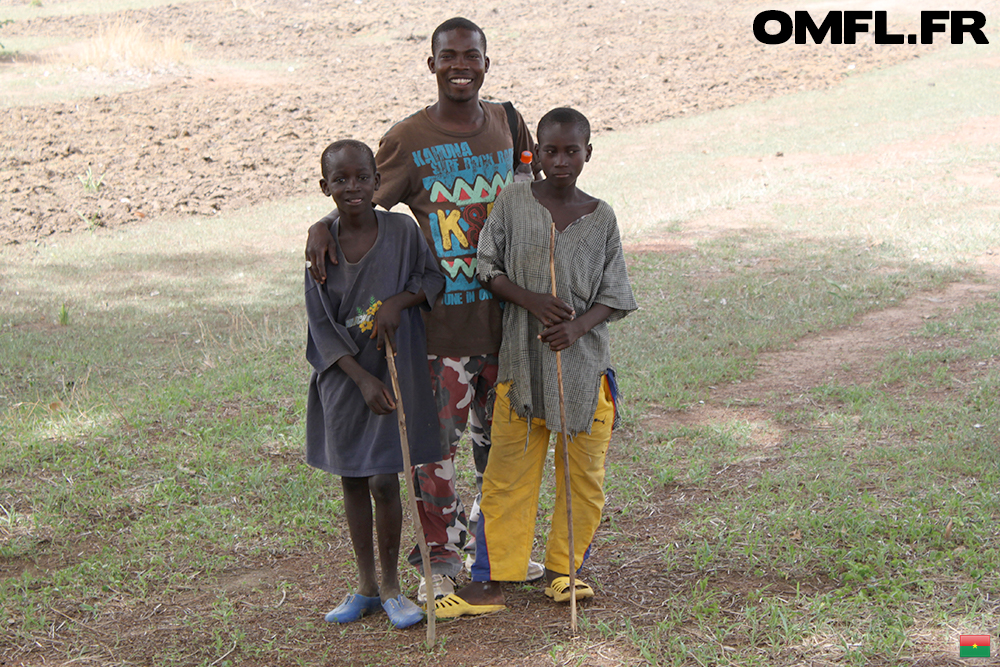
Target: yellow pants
[{"x": 512, "y": 482}]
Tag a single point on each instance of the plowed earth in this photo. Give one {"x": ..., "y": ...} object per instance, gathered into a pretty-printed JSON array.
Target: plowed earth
[{"x": 273, "y": 83}]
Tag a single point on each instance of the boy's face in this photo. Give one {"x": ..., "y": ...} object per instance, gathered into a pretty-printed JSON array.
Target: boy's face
[
  {"x": 562, "y": 151},
  {"x": 350, "y": 180},
  {"x": 459, "y": 64}
]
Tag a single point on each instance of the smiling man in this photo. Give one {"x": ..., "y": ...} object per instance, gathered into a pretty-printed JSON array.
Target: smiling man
[{"x": 448, "y": 162}]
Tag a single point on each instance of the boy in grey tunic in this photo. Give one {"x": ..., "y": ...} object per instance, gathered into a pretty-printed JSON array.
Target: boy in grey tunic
[
  {"x": 383, "y": 274},
  {"x": 343, "y": 436},
  {"x": 593, "y": 287}
]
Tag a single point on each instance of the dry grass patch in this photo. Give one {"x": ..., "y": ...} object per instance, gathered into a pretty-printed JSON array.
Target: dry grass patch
[{"x": 127, "y": 44}]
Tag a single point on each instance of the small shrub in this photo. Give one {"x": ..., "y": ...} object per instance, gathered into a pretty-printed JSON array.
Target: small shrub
[
  {"x": 93, "y": 221},
  {"x": 91, "y": 182}
]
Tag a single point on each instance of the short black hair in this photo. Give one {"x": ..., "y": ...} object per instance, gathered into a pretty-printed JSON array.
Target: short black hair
[
  {"x": 340, "y": 145},
  {"x": 564, "y": 116},
  {"x": 457, "y": 23}
]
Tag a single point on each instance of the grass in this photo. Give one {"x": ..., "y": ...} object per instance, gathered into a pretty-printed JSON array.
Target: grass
[
  {"x": 154, "y": 508},
  {"x": 880, "y": 526},
  {"x": 176, "y": 449},
  {"x": 874, "y": 521},
  {"x": 90, "y": 181},
  {"x": 748, "y": 295},
  {"x": 126, "y": 44},
  {"x": 122, "y": 54},
  {"x": 35, "y": 10},
  {"x": 5, "y": 54},
  {"x": 28, "y": 81}
]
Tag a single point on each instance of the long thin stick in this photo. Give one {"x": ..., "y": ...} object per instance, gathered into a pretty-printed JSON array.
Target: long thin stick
[
  {"x": 404, "y": 444},
  {"x": 565, "y": 449}
]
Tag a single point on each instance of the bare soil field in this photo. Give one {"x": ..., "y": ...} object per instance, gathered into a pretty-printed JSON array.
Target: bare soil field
[
  {"x": 244, "y": 123},
  {"x": 275, "y": 82}
]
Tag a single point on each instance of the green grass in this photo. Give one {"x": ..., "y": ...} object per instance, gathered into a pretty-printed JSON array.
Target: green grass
[
  {"x": 91, "y": 182},
  {"x": 747, "y": 295},
  {"x": 29, "y": 44},
  {"x": 28, "y": 83},
  {"x": 32, "y": 79},
  {"x": 176, "y": 451},
  {"x": 883, "y": 522}
]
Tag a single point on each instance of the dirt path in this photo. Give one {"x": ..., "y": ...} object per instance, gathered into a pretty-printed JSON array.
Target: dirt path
[{"x": 850, "y": 354}]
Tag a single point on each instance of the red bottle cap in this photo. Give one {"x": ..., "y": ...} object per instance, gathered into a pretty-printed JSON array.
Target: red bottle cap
[{"x": 526, "y": 157}]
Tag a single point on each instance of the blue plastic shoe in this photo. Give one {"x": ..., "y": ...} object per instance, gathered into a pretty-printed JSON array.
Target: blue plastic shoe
[
  {"x": 352, "y": 608},
  {"x": 403, "y": 612}
]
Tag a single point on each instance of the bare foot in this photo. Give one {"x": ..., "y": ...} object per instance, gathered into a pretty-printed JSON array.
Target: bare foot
[
  {"x": 551, "y": 576},
  {"x": 481, "y": 592},
  {"x": 388, "y": 590}
]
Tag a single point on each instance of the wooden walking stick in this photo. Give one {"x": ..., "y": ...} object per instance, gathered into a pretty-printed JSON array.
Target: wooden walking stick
[
  {"x": 404, "y": 444},
  {"x": 565, "y": 448}
]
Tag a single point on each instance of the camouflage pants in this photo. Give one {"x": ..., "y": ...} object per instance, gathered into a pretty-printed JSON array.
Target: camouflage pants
[{"x": 463, "y": 389}]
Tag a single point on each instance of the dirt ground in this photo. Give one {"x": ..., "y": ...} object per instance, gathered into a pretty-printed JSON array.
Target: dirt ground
[
  {"x": 273, "y": 83},
  {"x": 288, "y": 77}
]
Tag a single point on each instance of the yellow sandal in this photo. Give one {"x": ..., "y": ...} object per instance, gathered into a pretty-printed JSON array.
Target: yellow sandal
[
  {"x": 558, "y": 590},
  {"x": 452, "y": 606}
]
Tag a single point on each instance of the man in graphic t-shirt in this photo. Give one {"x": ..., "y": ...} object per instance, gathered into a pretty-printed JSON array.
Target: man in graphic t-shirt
[{"x": 448, "y": 162}]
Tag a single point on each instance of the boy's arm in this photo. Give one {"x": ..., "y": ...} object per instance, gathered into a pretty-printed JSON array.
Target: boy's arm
[
  {"x": 614, "y": 299},
  {"x": 615, "y": 289},
  {"x": 492, "y": 271},
  {"x": 377, "y": 395},
  {"x": 564, "y": 334},
  {"x": 327, "y": 340},
  {"x": 422, "y": 287},
  {"x": 329, "y": 343},
  {"x": 548, "y": 309}
]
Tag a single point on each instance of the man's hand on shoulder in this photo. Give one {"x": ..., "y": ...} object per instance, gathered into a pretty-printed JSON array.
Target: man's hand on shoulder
[{"x": 320, "y": 244}]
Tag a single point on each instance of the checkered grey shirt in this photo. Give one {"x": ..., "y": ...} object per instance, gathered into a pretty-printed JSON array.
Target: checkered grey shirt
[{"x": 590, "y": 269}]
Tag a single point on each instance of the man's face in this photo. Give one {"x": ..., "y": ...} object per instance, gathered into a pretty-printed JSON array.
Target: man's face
[{"x": 459, "y": 65}]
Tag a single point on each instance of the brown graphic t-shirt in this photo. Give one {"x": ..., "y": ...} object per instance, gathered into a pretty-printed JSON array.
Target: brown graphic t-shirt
[{"x": 449, "y": 180}]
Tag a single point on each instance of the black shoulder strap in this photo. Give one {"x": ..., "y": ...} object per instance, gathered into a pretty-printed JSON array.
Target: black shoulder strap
[{"x": 512, "y": 121}]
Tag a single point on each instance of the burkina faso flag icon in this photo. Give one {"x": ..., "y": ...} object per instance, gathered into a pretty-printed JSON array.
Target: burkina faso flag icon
[{"x": 974, "y": 646}]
